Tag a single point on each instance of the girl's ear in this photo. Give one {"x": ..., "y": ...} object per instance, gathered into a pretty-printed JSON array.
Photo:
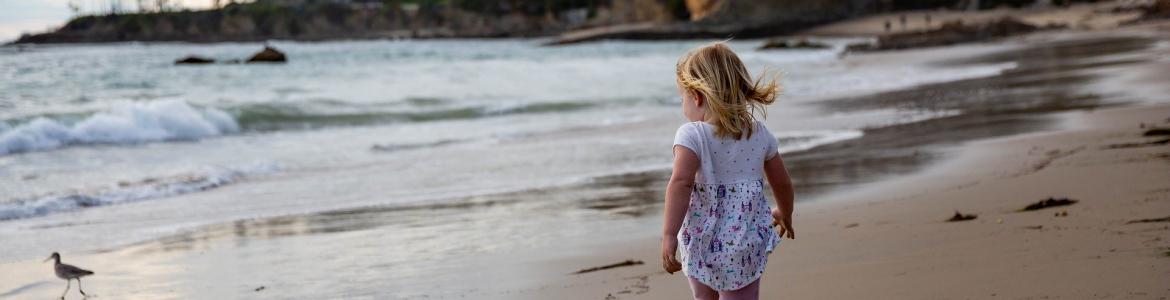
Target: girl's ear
[{"x": 698, "y": 99}]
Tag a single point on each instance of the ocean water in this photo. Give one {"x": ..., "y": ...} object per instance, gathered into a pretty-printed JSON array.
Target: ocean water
[{"x": 118, "y": 139}]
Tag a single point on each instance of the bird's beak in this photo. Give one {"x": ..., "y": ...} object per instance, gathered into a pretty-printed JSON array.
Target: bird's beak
[{"x": 47, "y": 259}]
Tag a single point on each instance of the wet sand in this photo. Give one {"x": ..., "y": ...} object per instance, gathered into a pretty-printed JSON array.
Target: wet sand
[{"x": 897, "y": 183}]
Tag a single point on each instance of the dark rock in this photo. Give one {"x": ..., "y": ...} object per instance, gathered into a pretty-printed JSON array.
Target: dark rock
[
  {"x": 803, "y": 43},
  {"x": 269, "y": 54},
  {"x": 1158, "y": 10},
  {"x": 1050, "y": 202},
  {"x": 194, "y": 60},
  {"x": 1157, "y": 132},
  {"x": 961, "y": 217}
]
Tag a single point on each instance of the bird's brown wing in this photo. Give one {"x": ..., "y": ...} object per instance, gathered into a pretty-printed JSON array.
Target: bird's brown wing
[{"x": 70, "y": 269}]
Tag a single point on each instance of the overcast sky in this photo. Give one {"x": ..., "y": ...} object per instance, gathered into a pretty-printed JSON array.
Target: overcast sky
[{"x": 21, "y": 16}]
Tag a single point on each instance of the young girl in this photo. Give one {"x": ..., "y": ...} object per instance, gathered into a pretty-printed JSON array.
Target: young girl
[{"x": 715, "y": 195}]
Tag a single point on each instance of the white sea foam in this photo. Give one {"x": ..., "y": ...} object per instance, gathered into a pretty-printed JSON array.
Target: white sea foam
[
  {"x": 127, "y": 123},
  {"x": 793, "y": 141},
  {"x": 125, "y": 192}
]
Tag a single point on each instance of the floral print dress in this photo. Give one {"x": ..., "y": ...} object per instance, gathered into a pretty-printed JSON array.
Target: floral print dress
[{"x": 727, "y": 235}]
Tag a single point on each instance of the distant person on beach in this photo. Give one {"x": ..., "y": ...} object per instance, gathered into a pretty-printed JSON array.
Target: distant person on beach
[
  {"x": 902, "y": 19},
  {"x": 715, "y": 205},
  {"x": 887, "y": 25}
]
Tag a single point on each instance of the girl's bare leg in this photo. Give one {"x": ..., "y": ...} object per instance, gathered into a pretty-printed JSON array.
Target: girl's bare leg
[
  {"x": 702, "y": 291},
  {"x": 748, "y": 292}
]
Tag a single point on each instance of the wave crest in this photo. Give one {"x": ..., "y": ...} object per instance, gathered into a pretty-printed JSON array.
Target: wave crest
[{"x": 128, "y": 123}]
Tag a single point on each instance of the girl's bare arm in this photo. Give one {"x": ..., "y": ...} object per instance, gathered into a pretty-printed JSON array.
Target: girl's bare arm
[
  {"x": 781, "y": 191},
  {"x": 678, "y": 190},
  {"x": 678, "y": 198}
]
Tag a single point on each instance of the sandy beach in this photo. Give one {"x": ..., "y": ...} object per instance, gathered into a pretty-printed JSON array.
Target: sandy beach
[
  {"x": 1063, "y": 114},
  {"x": 891, "y": 241}
]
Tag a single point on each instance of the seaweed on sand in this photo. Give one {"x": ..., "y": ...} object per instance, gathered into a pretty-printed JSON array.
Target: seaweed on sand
[{"x": 1050, "y": 202}]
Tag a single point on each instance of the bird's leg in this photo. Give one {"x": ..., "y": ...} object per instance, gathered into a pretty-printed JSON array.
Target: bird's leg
[
  {"x": 67, "y": 282},
  {"x": 79, "y": 287}
]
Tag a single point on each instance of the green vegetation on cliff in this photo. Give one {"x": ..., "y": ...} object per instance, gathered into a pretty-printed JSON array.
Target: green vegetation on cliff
[{"x": 318, "y": 20}]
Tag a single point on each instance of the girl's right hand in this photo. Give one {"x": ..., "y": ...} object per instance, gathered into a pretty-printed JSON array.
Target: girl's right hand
[
  {"x": 669, "y": 247},
  {"x": 784, "y": 221}
]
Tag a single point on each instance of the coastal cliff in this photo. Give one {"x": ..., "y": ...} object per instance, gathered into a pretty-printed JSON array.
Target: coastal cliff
[
  {"x": 356, "y": 19},
  {"x": 570, "y": 20}
]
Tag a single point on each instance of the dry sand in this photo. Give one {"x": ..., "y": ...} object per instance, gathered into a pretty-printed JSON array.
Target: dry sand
[{"x": 890, "y": 241}]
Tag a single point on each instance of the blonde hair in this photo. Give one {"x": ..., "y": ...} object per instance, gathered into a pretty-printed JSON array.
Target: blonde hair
[{"x": 716, "y": 73}]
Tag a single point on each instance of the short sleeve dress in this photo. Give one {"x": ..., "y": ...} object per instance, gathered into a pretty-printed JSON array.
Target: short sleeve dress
[{"x": 727, "y": 233}]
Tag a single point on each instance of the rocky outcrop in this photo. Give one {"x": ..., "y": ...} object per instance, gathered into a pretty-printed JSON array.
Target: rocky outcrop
[
  {"x": 194, "y": 60},
  {"x": 268, "y": 55},
  {"x": 328, "y": 20}
]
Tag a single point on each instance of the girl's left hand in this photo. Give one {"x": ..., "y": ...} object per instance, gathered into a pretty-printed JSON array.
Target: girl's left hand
[
  {"x": 784, "y": 221},
  {"x": 669, "y": 248}
]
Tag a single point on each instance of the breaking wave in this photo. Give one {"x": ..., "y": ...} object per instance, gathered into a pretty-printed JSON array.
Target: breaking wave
[{"x": 128, "y": 123}]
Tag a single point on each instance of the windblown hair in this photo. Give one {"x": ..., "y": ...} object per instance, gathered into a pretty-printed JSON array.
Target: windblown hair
[{"x": 732, "y": 97}]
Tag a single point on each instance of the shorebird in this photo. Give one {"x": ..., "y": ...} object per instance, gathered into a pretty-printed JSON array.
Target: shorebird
[{"x": 68, "y": 272}]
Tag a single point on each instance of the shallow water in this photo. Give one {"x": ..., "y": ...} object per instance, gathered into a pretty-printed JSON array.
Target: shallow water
[
  {"x": 97, "y": 125},
  {"x": 536, "y": 150}
]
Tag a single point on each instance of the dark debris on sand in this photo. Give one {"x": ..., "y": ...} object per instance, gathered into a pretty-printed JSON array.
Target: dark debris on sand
[
  {"x": 1050, "y": 202},
  {"x": 626, "y": 263},
  {"x": 1151, "y": 132},
  {"x": 961, "y": 217},
  {"x": 1154, "y": 220}
]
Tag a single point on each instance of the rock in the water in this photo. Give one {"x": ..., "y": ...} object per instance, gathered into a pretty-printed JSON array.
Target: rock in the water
[
  {"x": 193, "y": 60},
  {"x": 796, "y": 44},
  {"x": 269, "y": 54}
]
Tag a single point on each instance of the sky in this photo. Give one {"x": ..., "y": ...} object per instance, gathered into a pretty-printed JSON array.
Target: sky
[{"x": 33, "y": 16}]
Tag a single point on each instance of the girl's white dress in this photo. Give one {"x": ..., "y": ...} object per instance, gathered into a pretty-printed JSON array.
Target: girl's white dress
[{"x": 727, "y": 235}]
